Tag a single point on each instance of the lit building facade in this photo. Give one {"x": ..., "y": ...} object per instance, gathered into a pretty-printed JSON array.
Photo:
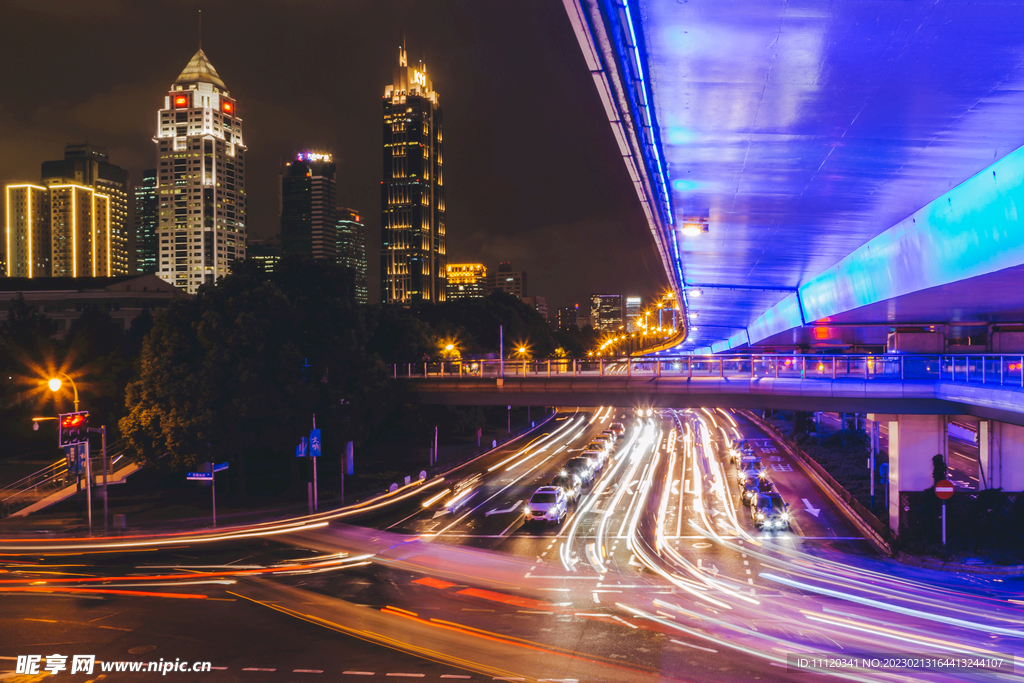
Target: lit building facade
[
  {"x": 352, "y": 250},
  {"x": 89, "y": 165},
  {"x": 200, "y": 179},
  {"x": 267, "y": 253},
  {"x": 309, "y": 206},
  {"x": 413, "y": 254},
  {"x": 537, "y": 303},
  {"x": 59, "y": 230},
  {"x": 567, "y": 316},
  {"x": 466, "y": 280},
  {"x": 634, "y": 305},
  {"x": 606, "y": 311},
  {"x": 146, "y": 216},
  {"x": 27, "y": 231}
]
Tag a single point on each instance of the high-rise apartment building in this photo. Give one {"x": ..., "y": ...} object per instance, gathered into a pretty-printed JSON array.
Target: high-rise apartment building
[
  {"x": 146, "y": 216},
  {"x": 466, "y": 281},
  {"x": 352, "y": 250},
  {"x": 537, "y": 303},
  {"x": 200, "y": 178},
  {"x": 413, "y": 255},
  {"x": 309, "y": 206},
  {"x": 567, "y": 316},
  {"x": 89, "y": 166},
  {"x": 634, "y": 305},
  {"x": 27, "y": 247},
  {"x": 64, "y": 229},
  {"x": 606, "y": 311},
  {"x": 507, "y": 280},
  {"x": 267, "y": 253}
]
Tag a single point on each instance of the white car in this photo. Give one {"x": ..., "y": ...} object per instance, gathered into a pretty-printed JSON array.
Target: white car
[{"x": 548, "y": 504}]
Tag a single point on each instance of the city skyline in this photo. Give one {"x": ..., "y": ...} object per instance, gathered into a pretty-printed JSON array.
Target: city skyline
[{"x": 538, "y": 215}]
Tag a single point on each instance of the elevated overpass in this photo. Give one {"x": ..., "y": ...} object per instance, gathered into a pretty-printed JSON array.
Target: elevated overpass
[{"x": 823, "y": 175}]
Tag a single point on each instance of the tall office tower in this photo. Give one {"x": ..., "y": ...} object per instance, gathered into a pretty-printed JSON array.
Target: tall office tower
[
  {"x": 309, "y": 206},
  {"x": 89, "y": 165},
  {"x": 413, "y": 256},
  {"x": 267, "y": 253},
  {"x": 633, "y": 308},
  {"x": 352, "y": 250},
  {"x": 27, "y": 249},
  {"x": 200, "y": 179},
  {"x": 466, "y": 280},
  {"x": 146, "y": 210},
  {"x": 507, "y": 280},
  {"x": 606, "y": 311}
]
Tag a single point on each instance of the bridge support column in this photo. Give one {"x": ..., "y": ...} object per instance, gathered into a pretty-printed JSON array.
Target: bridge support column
[
  {"x": 913, "y": 441},
  {"x": 1005, "y": 458}
]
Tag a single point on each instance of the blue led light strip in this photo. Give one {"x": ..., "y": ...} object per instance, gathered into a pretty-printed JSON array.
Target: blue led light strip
[{"x": 645, "y": 103}]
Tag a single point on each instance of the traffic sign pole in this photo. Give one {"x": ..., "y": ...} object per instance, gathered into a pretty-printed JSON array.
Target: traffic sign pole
[
  {"x": 88, "y": 486},
  {"x": 944, "y": 490},
  {"x": 213, "y": 493},
  {"x": 943, "y": 523}
]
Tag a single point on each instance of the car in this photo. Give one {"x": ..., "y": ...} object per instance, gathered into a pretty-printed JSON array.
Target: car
[
  {"x": 601, "y": 438},
  {"x": 753, "y": 485},
  {"x": 570, "y": 483},
  {"x": 581, "y": 467},
  {"x": 596, "y": 446},
  {"x": 612, "y": 436},
  {"x": 599, "y": 458},
  {"x": 618, "y": 428},
  {"x": 548, "y": 504},
  {"x": 747, "y": 465},
  {"x": 769, "y": 511}
]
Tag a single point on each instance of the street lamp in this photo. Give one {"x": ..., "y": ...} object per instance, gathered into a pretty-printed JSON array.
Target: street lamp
[{"x": 55, "y": 384}]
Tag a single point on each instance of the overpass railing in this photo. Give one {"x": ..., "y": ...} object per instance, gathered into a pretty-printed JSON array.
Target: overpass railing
[{"x": 994, "y": 369}]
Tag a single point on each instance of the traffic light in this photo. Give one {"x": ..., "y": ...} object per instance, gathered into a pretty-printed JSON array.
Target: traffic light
[{"x": 74, "y": 428}]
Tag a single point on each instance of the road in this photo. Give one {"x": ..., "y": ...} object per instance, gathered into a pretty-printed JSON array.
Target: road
[{"x": 657, "y": 574}]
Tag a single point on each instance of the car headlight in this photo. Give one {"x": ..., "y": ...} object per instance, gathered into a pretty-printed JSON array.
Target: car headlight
[
  {"x": 526, "y": 509},
  {"x": 786, "y": 517},
  {"x": 760, "y": 515}
]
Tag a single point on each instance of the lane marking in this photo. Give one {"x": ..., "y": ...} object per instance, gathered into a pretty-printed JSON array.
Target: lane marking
[
  {"x": 407, "y": 675},
  {"x": 253, "y": 668},
  {"x": 358, "y": 673},
  {"x": 307, "y": 671}
]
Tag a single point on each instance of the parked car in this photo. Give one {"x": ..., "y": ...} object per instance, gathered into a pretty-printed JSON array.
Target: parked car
[
  {"x": 570, "y": 483},
  {"x": 769, "y": 511},
  {"x": 548, "y": 504}
]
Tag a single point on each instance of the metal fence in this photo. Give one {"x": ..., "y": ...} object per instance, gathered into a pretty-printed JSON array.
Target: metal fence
[{"x": 993, "y": 369}]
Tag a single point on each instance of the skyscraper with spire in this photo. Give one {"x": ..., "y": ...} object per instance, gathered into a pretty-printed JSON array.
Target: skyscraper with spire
[
  {"x": 413, "y": 256},
  {"x": 200, "y": 179}
]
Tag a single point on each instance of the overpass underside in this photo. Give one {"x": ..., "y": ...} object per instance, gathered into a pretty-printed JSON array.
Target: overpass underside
[{"x": 906, "y": 397}]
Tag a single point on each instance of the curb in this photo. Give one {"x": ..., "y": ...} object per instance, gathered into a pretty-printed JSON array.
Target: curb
[{"x": 869, "y": 533}]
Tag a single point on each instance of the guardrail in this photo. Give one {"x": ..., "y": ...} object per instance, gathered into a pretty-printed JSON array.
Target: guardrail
[{"x": 992, "y": 369}]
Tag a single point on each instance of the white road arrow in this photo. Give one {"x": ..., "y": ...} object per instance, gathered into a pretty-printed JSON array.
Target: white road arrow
[
  {"x": 629, "y": 487},
  {"x": 810, "y": 508},
  {"x": 675, "y": 487},
  {"x": 713, "y": 569},
  {"x": 515, "y": 506}
]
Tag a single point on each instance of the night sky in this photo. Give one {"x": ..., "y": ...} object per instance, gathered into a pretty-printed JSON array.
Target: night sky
[{"x": 532, "y": 172}]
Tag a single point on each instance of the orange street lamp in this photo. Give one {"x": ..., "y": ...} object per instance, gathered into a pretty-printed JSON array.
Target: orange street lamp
[{"x": 55, "y": 384}]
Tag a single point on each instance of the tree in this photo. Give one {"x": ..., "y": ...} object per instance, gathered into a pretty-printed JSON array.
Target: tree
[
  {"x": 239, "y": 370},
  {"x": 938, "y": 468}
]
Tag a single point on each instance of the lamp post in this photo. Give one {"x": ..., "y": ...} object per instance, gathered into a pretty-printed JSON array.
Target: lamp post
[{"x": 55, "y": 385}]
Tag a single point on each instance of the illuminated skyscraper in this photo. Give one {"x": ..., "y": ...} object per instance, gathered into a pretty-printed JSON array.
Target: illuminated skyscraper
[
  {"x": 146, "y": 217},
  {"x": 606, "y": 311},
  {"x": 413, "y": 256},
  {"x": 634, "y": 305},
  {"x": 200, "y": 179},
  {"x": 352, "y": 250},
  {"x": 309, "y": 206},
  {"x": 89, "y": 165}
]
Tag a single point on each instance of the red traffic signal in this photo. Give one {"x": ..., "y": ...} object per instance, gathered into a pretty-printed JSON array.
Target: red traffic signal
[{"x": 74, "y": 428}]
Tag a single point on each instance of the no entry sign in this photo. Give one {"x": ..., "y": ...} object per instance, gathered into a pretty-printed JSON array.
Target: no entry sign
[{"x": 944, "y": 489}]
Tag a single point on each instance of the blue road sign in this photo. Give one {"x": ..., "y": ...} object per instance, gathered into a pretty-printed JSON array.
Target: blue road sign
[
  {"x": 220, "y": 467},
  {"x": 314, "y": 443},
  {"x": 300, "y": 450},
  {"x": 199, "y": 476},
  {"x": 74, "y": 455},
  {"x": 883, "y": 472}
]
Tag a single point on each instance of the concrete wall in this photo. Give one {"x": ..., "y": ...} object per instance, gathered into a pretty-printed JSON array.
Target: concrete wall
[
  {"x": 1007, "y": 459},
  {"x": 1007, "y": 342},
  {"x": 916, "y": 342}
]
